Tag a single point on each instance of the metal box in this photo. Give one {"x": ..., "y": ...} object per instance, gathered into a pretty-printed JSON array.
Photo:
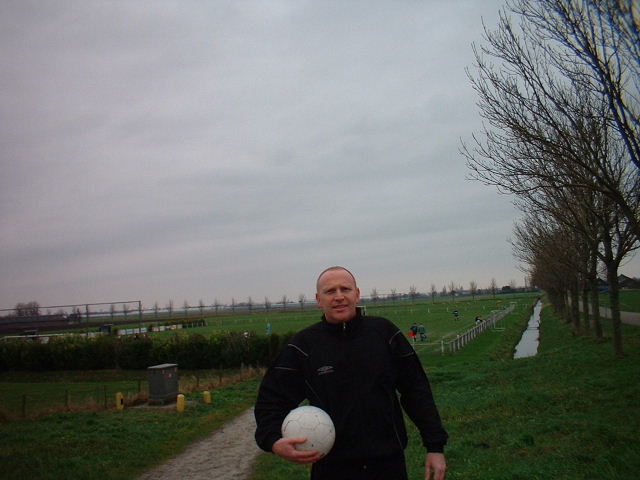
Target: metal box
[{"x": 163, "y": 383}]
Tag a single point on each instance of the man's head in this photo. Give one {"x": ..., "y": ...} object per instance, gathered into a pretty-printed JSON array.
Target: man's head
[{"x": 337, "y": 294}]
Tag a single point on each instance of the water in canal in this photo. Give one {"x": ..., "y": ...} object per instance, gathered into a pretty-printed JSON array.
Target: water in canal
[{"x": 528, "y": 345}]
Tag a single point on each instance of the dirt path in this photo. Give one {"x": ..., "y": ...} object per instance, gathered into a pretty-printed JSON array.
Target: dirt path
[{"x": 227, "y": 454}]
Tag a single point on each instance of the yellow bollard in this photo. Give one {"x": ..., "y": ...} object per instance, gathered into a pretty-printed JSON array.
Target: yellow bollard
[
  {"x": 180, "y": 403},
  {"x": 207, "y": 396},
  {"x": 119, "y": 401}
]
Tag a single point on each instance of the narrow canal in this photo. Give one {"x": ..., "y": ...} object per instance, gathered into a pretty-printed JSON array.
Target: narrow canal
[{"x": 528, "y": 345}]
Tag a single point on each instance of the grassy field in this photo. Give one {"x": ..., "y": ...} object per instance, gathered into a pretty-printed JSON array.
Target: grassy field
[
  {"x": 629, "y": 300},
  {"x": 33, "y": 394},
  {"x": 110, "y": 444},
  {"x": 571, "y": 412},
  {"x": 404, "y": 311},
  {"x": 27, "y": 394}
]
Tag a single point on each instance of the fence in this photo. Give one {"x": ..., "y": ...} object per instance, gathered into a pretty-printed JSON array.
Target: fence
[{"x": 464, "y": 338}]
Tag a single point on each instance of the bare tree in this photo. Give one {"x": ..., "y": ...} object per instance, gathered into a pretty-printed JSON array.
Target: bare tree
[
  {"x": 267, "y": 303},
  {"x": 562, "y": 124},
  {"x": 250, "y": 304},
  {"x": 394, "y": 295},
  {"x": 28, "y": 309},
  {"x": 473, "y": 288},
  {"x": 493, "y": 287},
  {"x": 433, "y": 293},
  {"x": 413, "y": 293},
  {"x": 284, "y": 302},
  {"x": 374, "y": 295},
  {"x": 301, "y": 299},
  {"x": 557, "y": 80},
  {"x": 600, "y": 42},
  {"x": 452, "y": 291}
]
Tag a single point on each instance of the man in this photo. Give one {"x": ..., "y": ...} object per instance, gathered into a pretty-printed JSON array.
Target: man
[
  {"x": 352, "y": 367},
  {"x": 414, "y": 332},
  {"x": 423, "y": 332}
]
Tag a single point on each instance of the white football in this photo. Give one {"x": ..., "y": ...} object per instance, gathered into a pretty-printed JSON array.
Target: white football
[{"x": 313, "y": 423}]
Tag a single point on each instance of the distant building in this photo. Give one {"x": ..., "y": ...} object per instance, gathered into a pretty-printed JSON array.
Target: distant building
[{"x": 628, "y": 283}]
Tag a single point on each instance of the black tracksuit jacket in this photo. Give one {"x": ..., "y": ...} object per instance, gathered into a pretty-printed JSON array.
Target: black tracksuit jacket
[{"x": 353, "y": 371}]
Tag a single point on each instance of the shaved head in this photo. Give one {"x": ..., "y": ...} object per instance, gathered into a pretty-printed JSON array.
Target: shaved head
[{"x": 331, "y": 269}]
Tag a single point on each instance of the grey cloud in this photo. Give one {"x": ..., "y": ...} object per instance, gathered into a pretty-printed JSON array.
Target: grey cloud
[{"x": 178, "y": 150}]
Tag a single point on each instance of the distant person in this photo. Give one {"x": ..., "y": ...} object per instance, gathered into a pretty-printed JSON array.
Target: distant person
[
  {"x": 422, "y": 331},
  {"x": 269, "y": 328},
  {"x": 414, "y": 332},
  {"x": 353, "y": 367}
]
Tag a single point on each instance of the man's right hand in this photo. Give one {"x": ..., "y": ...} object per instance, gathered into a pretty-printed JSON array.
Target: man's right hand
[{"x": 285, "y": 448}]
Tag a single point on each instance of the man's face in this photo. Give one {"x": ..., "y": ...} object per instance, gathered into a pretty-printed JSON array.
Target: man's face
[{"x": 337, "y": 296}]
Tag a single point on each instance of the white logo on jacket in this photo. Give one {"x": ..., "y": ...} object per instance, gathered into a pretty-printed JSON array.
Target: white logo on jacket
[{"x": 324, "y": 370}]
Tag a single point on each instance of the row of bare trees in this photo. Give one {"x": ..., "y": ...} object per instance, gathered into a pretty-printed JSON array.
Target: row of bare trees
[
  {"x": 558, "y": 83},
  {"x": 452, "y": 290},
  {"x": 217, "y": 306}
]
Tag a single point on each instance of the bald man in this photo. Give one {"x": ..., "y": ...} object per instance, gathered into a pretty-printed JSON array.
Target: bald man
[{"x": 362, "y": 371}]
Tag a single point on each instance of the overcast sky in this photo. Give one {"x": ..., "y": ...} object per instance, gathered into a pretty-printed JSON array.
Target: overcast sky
[{"x": 203, "y": 150}]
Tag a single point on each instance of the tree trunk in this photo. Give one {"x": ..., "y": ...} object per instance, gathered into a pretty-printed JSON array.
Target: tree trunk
[
  {"x": 614, "y": 296},
  {"x": 585, "y": 308},
  {"x": 595, "y": 308},
  {"x": 614, "y": 303},
  {"x": 575, "y": 307}
]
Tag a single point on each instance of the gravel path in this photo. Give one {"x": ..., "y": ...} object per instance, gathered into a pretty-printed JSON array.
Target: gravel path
[{"x": 227, "y": 454}]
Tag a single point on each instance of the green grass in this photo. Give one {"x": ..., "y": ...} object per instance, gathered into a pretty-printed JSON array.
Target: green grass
[
  {"x": 112, "y": 444},
  {"x": 629, "y": 300},
  {"x": 569, "y": 413},
  {"x": 31, "y": 394},
  {"x": 404, "y": 311},
  {"x": 437, "y": 317},
  {"x": 566, "y": 413}
]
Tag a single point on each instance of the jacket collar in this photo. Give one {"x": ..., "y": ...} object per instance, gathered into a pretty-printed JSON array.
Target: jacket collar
[{"x": 347, "y": 327}]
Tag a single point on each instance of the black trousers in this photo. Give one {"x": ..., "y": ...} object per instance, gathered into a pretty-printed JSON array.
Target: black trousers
[{"x": 392, "y": 468}]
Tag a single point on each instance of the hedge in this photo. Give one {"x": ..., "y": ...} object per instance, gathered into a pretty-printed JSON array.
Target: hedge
[{"x": 74, "y": 352}]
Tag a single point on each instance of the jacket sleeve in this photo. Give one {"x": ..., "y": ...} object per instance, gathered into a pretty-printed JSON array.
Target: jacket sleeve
[
  {"x": 281, "y": 390},
  {"x": 416, "y": 396}
]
